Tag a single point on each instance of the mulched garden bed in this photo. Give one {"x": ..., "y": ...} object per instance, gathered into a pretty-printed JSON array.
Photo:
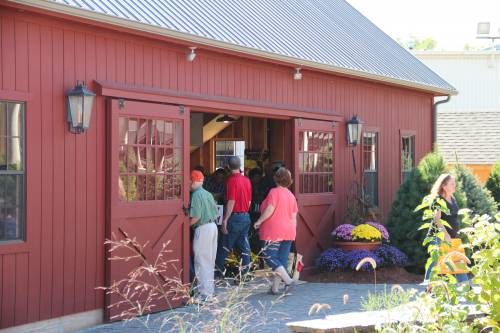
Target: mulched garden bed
[{"x": 388, "y": 275}]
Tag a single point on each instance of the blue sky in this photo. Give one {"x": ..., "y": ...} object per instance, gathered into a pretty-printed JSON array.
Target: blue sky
[{"x": 452, "y": 23}]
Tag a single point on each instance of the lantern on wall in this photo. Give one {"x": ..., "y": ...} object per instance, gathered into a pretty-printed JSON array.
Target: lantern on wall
[
  {"x": 354, "y": 127},
  {"x": 79, "y": 102}
]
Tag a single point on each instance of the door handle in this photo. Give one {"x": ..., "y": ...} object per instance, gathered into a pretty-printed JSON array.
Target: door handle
[{"x": 185, "y": 210}]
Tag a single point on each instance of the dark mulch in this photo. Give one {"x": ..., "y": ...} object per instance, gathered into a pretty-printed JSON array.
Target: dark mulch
[{"x": 388, "y": 275}]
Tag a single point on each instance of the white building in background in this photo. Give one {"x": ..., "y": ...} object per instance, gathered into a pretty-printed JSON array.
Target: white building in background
[{"x": 468, "y": 126}]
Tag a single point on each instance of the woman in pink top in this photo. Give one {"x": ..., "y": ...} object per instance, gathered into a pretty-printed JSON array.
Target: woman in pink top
[{"x": 278, "y": 224}]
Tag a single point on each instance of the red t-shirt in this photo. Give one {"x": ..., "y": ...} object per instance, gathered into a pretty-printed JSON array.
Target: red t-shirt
[
  {"x": 239, "y": 189},
  {"x": 279, "y": 226}
]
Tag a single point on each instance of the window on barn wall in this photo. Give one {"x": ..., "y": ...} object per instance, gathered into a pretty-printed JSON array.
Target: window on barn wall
[
  {"x": 11, "y": 171},
  {"x": 150, "y": 159},
  {"x": 315, "y": 162},
  {"x": 370, "y": 166},
  {"x": 407, "y": 155}
]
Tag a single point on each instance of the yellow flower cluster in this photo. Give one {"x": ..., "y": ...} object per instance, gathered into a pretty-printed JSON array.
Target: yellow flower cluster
[{"x": 365, "y": 232}]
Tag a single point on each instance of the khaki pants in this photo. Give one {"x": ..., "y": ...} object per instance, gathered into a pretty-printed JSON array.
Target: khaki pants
[{"x": 205, "y": 251}]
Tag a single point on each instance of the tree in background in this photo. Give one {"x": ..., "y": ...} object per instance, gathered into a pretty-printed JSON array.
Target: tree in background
[
  {"x": 493, "y": 182},
  {"x": 418, "y": 44},
  {"x": 403, "y": 221},
  {"x": 477, "y": 198}
]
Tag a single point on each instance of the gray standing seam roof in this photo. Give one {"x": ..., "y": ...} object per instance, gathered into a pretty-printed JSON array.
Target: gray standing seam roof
[{"x": 327, "y": 32}]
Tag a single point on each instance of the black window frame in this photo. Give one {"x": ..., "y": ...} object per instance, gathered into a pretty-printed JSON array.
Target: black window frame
[{"x": 5, "y": 171}]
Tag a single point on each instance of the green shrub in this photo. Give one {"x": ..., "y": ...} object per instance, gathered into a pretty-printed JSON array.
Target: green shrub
[
  {"x": 477, "y": 198},
  {"x": 493, "y": 182},
  {"x": 403, "y": 221}
]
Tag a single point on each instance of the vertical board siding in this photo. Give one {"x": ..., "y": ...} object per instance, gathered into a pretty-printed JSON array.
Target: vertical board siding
[
  {"x": 65, "y": 173},
  {"x": 47, "y": 142}
]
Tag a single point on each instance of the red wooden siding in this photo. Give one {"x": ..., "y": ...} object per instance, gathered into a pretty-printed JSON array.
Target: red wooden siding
[{"x": 56, "y": 271}]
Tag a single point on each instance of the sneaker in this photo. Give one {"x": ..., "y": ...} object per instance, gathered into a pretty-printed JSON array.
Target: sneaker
[
  {"x": 289, "y": 287},
  {"x": 272, "y": 292},
  {"x": 203, "y": 299}
]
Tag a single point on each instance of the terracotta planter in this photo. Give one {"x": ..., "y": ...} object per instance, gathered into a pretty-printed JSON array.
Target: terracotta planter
[{"x": 350, "y": 246}]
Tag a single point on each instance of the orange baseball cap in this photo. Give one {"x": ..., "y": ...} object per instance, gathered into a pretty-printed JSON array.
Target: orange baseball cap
[{"x": 197, "y": 176}]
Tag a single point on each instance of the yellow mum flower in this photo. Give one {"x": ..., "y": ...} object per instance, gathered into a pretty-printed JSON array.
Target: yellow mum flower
[{"x": 365, "y": 232}]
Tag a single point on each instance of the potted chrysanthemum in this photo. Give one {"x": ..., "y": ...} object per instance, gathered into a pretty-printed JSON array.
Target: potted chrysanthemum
[{"x": 361, "y": 237}]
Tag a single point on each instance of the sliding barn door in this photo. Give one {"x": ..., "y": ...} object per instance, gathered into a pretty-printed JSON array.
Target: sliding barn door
[
  {"x": 147, "y": 186},
  {"x": 314, "y": 173}
]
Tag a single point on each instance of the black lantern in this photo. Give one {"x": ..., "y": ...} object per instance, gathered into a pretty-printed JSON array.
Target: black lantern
[
  {"x": 354, "y": 126},
  {"x": 79, "y": 102}
]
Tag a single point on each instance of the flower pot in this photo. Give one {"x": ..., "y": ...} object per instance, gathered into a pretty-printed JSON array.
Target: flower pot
[{"x": 350, "y": 246}]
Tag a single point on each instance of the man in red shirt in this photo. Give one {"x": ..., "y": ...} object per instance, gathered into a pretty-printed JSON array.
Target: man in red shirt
[{"x": 236, "y": 218}]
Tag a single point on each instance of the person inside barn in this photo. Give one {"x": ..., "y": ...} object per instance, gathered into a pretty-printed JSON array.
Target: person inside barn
[
  {"x": 215, "y": 184},
  {"x": 202, "y": 213},
  {"x": 236, "y": 222},
  {"x": 277, "y": 228}
]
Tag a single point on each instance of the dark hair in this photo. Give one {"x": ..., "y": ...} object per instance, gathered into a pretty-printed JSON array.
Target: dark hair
[
  {"x": 220, "y": 171},
  {"x": 234, "y": 163},
  {"x": 283, "y": 177},
  {"x": 254, "y": 172}
]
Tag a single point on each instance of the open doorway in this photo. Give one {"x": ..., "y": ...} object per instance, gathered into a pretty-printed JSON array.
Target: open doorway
[{"x": 261, "y": 144}]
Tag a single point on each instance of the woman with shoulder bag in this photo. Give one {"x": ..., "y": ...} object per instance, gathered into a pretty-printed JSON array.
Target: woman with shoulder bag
[{"x": 444, "y": 188}]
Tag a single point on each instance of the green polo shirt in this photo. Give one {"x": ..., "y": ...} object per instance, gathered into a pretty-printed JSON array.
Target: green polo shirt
[{"x": 202, "y": 206}]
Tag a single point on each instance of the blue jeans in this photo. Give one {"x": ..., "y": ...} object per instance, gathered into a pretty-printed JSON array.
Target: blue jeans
[
  {"x": 237, "y": 227},
  {"x": 276, "y": 253}
]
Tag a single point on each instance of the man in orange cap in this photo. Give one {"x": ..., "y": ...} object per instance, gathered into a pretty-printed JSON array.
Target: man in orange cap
[{"x": 202, "y": 213}]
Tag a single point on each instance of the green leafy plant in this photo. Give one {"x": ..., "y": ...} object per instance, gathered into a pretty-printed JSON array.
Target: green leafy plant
[
  {"x": 493, "y": 182},
  {"x": 483, "y": 235}
]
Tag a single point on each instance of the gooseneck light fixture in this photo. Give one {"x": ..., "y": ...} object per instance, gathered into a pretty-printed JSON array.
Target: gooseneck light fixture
[
  {"x": 192, "y": 55},
  {"x": 79, "y": 101},
  {"x": 297, "y": 75}
]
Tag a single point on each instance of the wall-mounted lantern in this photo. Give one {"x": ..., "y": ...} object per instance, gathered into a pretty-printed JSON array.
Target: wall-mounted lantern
[
  {"x": 354, "y": 127},
  {"x": 79, "y": 101}
]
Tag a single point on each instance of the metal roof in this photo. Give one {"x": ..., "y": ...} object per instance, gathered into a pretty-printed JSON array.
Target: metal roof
[{"x": 327, "y": 32}]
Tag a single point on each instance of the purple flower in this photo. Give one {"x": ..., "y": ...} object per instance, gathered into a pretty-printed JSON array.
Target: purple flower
[
  {"x": 331, "y": 260},
  {"x": 343, "y": 232},
  {"x": 391, "y": 256},
  {"x": 381, "y": 228},
  {"x": 354, "y": 257}
]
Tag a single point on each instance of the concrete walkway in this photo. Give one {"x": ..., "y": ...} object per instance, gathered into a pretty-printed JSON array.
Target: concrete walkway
[{"x": 259, "y": 311}]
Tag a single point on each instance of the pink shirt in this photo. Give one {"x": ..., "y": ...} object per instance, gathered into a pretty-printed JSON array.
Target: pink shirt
[{"x": 280, "y": 225}]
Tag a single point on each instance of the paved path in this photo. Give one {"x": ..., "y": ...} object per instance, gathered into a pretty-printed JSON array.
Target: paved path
[{"x": 260, "y": 311}]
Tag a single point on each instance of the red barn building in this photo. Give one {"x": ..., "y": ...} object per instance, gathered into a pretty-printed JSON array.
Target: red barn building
[{"x": 290, "y": 74}]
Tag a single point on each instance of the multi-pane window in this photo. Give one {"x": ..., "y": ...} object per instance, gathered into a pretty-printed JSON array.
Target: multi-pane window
[
  {"x": 225, "y": 149},
  {"x": 11, "y": 171},
  {"x": 315, "y": 162},
  {"x": 370, "y": 166},
  {"x": 407, "y": 155},
  {"x": 150, "y": 158}
]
